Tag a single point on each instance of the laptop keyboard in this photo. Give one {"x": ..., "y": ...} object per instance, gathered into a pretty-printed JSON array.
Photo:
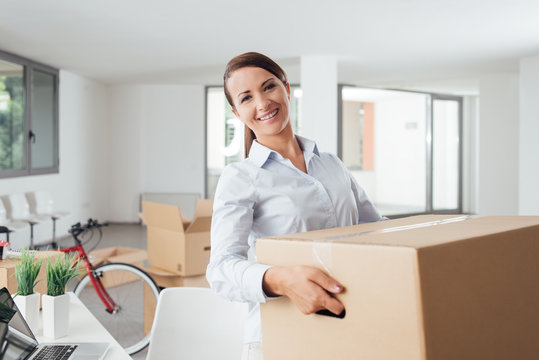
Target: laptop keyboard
[{"x": 55, "y": 352}]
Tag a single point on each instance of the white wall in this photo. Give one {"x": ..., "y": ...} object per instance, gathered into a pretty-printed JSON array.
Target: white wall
[
  {"x": 319, "y": 101},
  {"x": 470, "y": 150},
  {"x": 157, "y": 144},
  {"x": 81, "y": 186},
  {"x": 498, "y": 131},
  {"x": 529, "y": 131}
]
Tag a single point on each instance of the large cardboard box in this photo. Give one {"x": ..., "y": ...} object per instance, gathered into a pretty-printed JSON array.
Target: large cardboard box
[
  {"x": 425, "y": 287},
  {"x": 176, "y": 244},
  {"x": 131, "y": 256},
  {"x": 166, "y": 279}
]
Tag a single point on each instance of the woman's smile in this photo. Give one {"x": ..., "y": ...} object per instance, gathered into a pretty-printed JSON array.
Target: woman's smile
[{"x": 269, "y": 116}]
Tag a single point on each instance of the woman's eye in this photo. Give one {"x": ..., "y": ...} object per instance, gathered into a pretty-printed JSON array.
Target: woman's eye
[
  {"x": 270, "y": 86},
  {"x": 244, "y": 99}
]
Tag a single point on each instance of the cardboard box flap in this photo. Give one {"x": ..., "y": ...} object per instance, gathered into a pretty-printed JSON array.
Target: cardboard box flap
[
  {"x": 204, "y": 208},
  {"x": 202, "y": 224},
  {"x": 417, "y": 231},
  {"x": 163, "y": 216},
  {"x": 355, "y": 232}
]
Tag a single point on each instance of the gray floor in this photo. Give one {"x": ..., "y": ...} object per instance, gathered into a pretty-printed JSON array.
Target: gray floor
[{"x": 124, "y": 235}]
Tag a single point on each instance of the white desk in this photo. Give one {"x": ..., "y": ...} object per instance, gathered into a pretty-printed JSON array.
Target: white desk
[{"x": 84, "y": 327}]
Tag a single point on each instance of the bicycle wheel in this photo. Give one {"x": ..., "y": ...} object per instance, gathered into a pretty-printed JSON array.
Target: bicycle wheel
[{"x": 135, "y": 294}]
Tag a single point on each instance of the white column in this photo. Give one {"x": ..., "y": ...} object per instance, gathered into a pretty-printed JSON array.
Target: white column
[
  {"x": 529, "y": 137},
  {"x": 319, "y": 100},
  {"x": 498, "y": 145}
]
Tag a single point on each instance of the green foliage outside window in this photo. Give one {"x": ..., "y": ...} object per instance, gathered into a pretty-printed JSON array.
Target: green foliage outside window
[{"x": 12, "y": 154}]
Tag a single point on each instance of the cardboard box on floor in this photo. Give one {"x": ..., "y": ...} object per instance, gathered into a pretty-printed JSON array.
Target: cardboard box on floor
[
  {"x": 441, "y": 290},
  {"x": 174, "y": 243},
  {"x": 125, "y": 255},
  {"x": 166, "y": 279}
]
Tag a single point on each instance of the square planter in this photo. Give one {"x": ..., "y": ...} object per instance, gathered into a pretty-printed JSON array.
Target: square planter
[
  {"x": 29, "y": 307},
  {"x": 55, "y": 316}
]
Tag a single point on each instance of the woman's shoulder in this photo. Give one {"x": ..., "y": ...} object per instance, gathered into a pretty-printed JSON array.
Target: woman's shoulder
[
  {"x": 331, "y": 158},
  {"x": 243, "y": 169},
  {"x": 236, "y": 182}
]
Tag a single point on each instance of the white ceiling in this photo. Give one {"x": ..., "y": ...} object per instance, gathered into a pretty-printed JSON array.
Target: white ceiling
[{"x": 384, "y": 42}]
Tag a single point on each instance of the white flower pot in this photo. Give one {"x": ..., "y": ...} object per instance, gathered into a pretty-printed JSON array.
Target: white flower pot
[
  {"x": 29, "y": 307},
  {"x": 55, "y": 315}
]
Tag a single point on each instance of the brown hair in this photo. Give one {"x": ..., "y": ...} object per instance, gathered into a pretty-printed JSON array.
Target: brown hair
[{"x": 253, "y": 59}]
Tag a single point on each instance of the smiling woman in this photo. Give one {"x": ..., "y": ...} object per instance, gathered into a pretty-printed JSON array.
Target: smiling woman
[{"x": 285, "y": 185}]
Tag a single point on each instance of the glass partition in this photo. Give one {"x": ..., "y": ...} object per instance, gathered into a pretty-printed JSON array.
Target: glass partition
[{"x": 403, "y": 148}]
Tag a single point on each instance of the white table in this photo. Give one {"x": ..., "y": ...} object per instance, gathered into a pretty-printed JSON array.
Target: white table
[{"x": 84, "y": 327}]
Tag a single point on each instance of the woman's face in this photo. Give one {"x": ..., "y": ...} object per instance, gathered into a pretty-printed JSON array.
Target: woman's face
[{"x": 261, "y": 100}]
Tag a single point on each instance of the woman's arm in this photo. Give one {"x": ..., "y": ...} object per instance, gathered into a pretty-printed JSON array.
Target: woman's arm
[{"x": 230, "y": 272}]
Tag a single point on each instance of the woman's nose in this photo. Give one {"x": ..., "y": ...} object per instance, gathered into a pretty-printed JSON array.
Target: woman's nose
[{"x": 262, "y": 103}]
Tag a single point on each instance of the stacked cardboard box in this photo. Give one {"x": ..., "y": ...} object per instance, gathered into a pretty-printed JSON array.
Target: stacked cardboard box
[
  {"x": 178, "y": 249},
  {"x": 425, "y": 287},
  {"x": 175, "y": 244},
  {"x": 7, "y": 272},
  {"x": 135, "y": 257}
]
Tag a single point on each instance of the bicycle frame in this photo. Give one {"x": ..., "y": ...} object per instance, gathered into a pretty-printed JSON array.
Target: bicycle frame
[{"x": 94, "y": 278}]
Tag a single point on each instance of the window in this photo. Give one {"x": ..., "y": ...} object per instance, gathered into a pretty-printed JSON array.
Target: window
[
  {"x": 403, "y": 148},
  {"x": 224, "y": 133},
  {"x": 28, "y": 117}
]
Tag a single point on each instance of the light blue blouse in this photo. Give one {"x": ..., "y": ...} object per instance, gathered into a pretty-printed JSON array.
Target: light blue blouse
[{"x": 266, "y": 195}]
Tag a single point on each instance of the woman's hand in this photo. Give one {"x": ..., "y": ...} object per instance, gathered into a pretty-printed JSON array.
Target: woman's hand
[{"x": 306, "y": 286}]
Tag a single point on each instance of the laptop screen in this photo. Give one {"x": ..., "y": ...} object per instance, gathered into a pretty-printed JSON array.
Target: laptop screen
[{"x": 18, "y": 341}]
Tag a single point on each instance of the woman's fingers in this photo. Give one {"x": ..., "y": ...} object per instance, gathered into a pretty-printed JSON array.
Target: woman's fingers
[
  {"x": 309, "y": 288},
  {"x": 326, "y": 282}
]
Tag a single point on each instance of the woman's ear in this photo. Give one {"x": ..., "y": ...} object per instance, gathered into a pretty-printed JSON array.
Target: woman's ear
[{"x": 288, "y": 90}]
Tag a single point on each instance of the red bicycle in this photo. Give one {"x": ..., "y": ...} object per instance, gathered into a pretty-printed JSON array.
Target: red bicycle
[{"x": 117, "y": 294}]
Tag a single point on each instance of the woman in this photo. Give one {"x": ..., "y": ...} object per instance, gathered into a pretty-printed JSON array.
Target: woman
[{"x": 284, "y": 186}]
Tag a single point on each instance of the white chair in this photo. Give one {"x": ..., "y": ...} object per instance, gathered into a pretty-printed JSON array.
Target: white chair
[
  {"x": 19, "y": 232},
  {"x": 42, "y": 204},
  {"x": 20, "y": 211},
  {"x": 195, "y": 323}
]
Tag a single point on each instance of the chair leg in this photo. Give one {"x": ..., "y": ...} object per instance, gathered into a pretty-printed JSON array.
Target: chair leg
[
  {"x": 32, "y": 236},
  {"x": 54, "y": 243}
]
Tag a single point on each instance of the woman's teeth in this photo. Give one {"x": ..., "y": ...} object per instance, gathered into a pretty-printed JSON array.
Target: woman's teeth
[{"x": 269, "y": 115}]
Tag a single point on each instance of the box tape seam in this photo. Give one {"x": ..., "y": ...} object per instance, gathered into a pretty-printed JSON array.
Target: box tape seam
[{"x": 322, "y": 248}]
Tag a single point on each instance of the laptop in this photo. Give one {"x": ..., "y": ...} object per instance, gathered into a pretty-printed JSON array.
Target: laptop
[{"x": 18, "y": 341}]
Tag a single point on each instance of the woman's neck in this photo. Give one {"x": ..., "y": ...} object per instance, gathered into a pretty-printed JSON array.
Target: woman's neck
[{"x": 284, "y": 143}]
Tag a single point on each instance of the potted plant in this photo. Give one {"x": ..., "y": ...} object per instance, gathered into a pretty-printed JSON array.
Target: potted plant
[
  {"x": 27, "y": 300},
  {"x": 56, "y": 302}
]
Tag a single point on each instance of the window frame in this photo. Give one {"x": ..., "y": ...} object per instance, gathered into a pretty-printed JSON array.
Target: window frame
[
  {"x": 29, "y": 66},
  {"x": 429, "y": 161}
]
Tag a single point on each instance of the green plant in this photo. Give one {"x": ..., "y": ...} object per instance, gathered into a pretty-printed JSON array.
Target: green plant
[
  {"x": 60, "y": 272},
  {"x": 26, "y": 271}
]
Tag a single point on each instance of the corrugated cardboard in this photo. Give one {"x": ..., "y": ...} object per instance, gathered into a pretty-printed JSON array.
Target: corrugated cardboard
[
  {"x": 7, "y": 272},
  {"x": 166, "y": 279},
  {"x": 124, "y": 255},
  {"x": 439, "y": 290},
  {"x": 174, "y": 243}
]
